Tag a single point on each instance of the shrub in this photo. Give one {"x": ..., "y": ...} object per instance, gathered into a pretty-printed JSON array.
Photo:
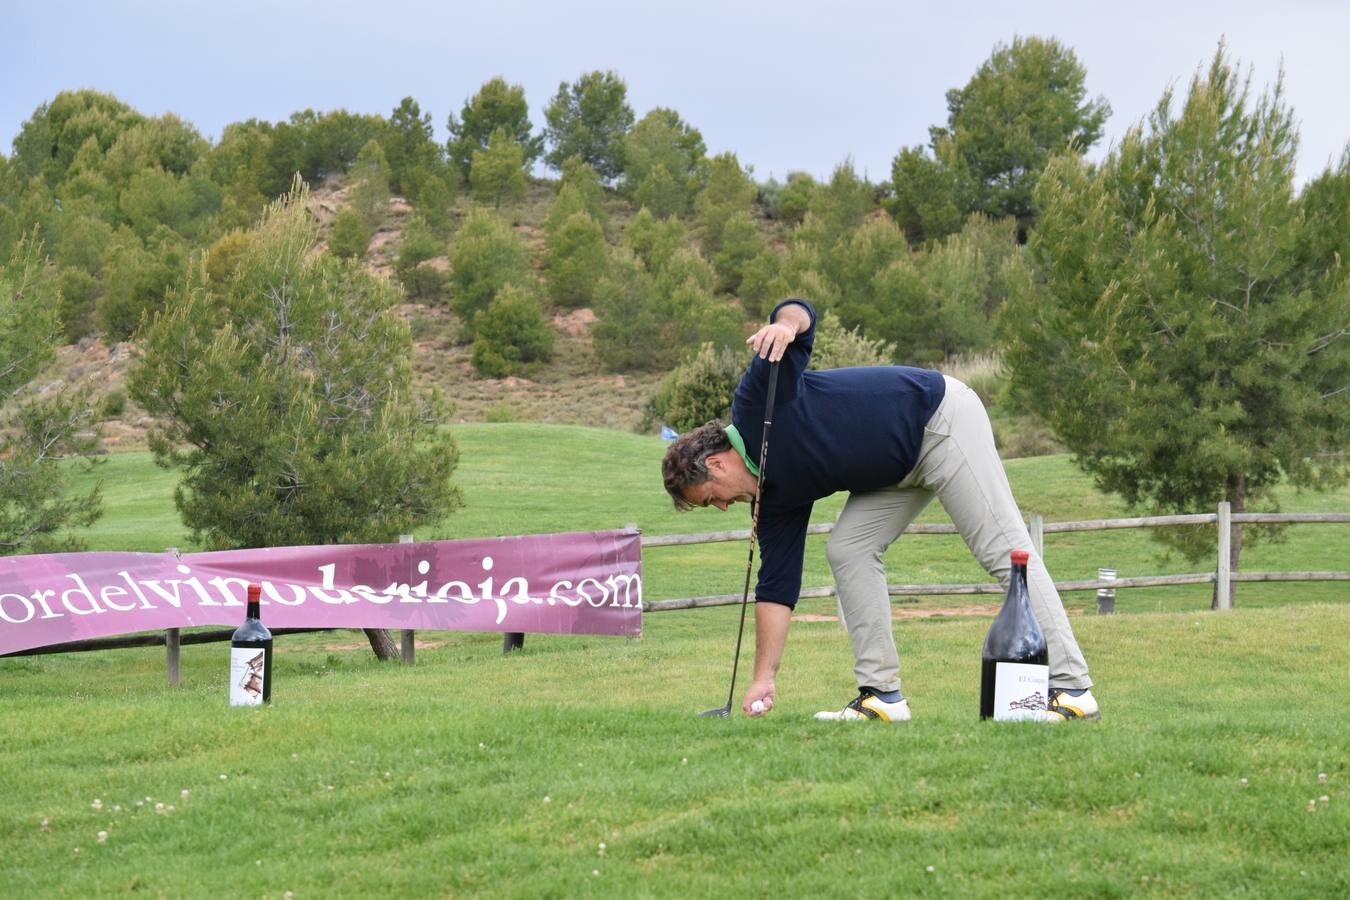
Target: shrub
[
  {"x": 627, "y": 334},
  {"x": 654, "y": 241},
  {"x": 512, "y": 336},
  {"x": 420, "y": 282},
  {"x": 484, "y": 258},
  {"x": 497, "y": 175},
  {"x": 697, "y": 391},
  {"x": 113, "y": 405},
  {"x": 349, "y": 237},
  {"x": 576, "y": 255},
  {"x": 225, "y": 255},
  {"x": 838, "y": 347},
  {"x": 78, "y": 291},
  {"x": 741, "y": 243}
]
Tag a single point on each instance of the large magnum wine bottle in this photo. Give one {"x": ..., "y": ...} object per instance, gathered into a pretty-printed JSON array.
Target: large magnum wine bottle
[
  {"x": 251, "y": 657},
  {"x": 1015, "y": 670}
]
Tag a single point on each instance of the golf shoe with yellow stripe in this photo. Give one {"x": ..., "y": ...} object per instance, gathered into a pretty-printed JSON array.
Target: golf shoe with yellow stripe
[
  {"x": 1069, "y": 705},
  {"x": 868, "y": 705}
]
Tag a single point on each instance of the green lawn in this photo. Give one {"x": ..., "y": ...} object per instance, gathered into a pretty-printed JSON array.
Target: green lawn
[
  {"x": 474, "y": 774},
  {"x": 577, "y": 767}
]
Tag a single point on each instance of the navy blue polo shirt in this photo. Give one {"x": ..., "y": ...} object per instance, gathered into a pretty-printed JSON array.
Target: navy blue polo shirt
[{"x": 855, "y": 430}]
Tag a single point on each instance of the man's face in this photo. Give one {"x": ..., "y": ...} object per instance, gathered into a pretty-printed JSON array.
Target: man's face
[{"x": 729, "y": 481}]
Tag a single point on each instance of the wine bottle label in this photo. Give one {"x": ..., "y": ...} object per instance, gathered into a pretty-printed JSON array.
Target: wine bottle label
[
  {"x": 1021, "y": 692},
  {"x": 246, "y": 676}
]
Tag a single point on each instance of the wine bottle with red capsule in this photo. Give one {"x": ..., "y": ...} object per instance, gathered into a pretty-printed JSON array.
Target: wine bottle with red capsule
[
  {"x": 251, "y": 656},
  {"x": 1015, "y": 665}
]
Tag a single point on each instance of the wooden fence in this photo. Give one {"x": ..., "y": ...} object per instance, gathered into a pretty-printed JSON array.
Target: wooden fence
[{"x": 1223, "y": 518}]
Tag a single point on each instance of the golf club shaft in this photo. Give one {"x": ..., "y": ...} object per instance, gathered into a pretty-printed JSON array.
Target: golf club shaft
[{"x": 754, "y": 525}]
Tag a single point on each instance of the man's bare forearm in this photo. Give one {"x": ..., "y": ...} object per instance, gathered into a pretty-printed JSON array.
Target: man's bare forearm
[{"x": 771, "y": 628}]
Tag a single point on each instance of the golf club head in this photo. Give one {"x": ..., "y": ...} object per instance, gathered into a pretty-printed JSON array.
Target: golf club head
[{"x": 720, "y": 712}]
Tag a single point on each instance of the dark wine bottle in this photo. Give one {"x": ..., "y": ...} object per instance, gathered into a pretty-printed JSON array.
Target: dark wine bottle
[
  {"x": 1014, "y": 669},
  {"x": 251, "y": 656}
]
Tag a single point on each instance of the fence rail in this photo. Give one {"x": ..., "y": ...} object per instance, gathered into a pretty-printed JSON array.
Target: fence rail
[{"x": 1038, "y": 527}]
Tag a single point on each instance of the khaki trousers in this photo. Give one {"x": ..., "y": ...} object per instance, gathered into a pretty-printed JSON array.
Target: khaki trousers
[{"x": 959, "y": 464}]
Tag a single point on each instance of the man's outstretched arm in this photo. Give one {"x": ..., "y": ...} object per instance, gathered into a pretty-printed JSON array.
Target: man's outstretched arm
[{"x": 771, "y": 629}]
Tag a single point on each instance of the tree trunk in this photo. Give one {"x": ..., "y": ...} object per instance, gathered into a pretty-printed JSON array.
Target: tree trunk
[
  {"x": 1237, "y": 495},
  {"x": 383, "y": 645}
]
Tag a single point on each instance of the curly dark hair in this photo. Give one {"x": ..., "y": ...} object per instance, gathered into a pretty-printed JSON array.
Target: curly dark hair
[{"x": 686, "y": 462}]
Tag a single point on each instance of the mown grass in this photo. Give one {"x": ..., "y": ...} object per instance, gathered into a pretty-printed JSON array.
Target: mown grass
[{"x": 474, "y": 774}]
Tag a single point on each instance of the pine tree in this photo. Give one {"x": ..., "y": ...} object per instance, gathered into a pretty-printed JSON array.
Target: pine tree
[
  {"x": 285, "y": 395},
  {"x": 1186, "y": 334}
]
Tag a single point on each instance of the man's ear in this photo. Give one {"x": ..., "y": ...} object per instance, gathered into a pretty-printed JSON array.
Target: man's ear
[{"x": 716, "y": 463}]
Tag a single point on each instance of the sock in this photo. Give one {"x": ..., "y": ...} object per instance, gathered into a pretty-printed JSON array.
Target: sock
[
  {"x": 1074, "y": 692},
  {"x": 888, "y": 696}
]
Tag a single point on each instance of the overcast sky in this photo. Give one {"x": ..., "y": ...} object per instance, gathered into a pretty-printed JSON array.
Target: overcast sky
[{"x": 786, "y": 85}]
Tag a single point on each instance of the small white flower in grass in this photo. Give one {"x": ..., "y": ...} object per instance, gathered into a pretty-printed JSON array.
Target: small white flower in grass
[
  {"x": 46, "y": 824},
  {"x": 169, "y": 808},
  {"x": 1321, "y": 777},
  {"x": 547, "y": 799},
  {"x": 295, "y": 756},
  {"x": 140, "y": 802},
  {"x": 159, "y": 807},
  {"x": 223, "y": 777},
  {"x": 1312, "y": 806},
  {"x": 77, "y": 850},
  {"x": 602, "y": 848},
  {"x": 593, "y": 871},
  {"x": 1324, "y": 799},
  {"x": 288, "y": 896},
  {"x": 328, "y": 786},
  {"x": 97, "y": 804},
  {"x": 1242, "y": 781},
  {"x": 103, "y": 837},
  {"x": 930, "y": 870},
  {"x": 685, "y": 761},
  {"x": 387, "y": 774},
  {"x": 183, "y": 793},
  {"x": 149, "y": 799},
  {"x": 257, "y": 862},
  {"x": 117, "y": 808}
]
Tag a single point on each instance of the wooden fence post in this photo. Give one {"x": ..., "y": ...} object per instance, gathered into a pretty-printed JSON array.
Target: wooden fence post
[
  {"x": 1037, "y": 528},
  {"x": 1222, "y": 575},
  {"x": 409, "y": 647},
  {"x": 173, "y": 645}
]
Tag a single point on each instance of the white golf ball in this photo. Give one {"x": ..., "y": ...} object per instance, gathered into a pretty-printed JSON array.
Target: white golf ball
[{"x": 757, "y": 706}]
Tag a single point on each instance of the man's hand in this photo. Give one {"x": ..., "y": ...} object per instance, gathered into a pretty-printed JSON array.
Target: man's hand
[
  {"x": 771, "y": 341},
  {"x": 760, "y": 692}
]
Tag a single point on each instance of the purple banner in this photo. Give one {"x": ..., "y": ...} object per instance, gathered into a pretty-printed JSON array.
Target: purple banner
[{"x": 575, "y": 583}]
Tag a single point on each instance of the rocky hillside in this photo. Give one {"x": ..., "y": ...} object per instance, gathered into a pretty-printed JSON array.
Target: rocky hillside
[{"x": 568, "y": 390}]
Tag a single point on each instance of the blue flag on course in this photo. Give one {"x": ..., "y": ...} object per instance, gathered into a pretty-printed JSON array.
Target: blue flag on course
[{"x": 668, "y": 433}]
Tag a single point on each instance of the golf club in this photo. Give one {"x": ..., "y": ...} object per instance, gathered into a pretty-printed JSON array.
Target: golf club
[{"x": 722, "y": 712}]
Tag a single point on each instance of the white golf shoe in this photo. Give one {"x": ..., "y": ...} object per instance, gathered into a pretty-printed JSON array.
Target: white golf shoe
[
  {"x": 868, "y": 705},
  {"x": 1067, "y": 705}
]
